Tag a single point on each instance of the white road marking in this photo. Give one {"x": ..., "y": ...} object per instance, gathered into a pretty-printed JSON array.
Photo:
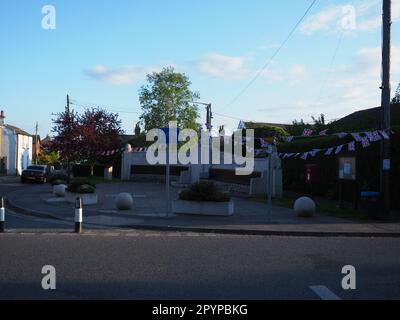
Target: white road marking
[{"x": 324, "y": 293}]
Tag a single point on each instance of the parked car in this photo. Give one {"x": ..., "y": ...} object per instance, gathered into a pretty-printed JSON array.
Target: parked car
[{"x": 37, "y": 173}]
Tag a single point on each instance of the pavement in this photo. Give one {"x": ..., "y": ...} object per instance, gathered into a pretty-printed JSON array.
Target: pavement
[{"x": 149, "y": 213}]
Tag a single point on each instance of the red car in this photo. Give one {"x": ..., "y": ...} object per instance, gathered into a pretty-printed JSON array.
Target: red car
[{"x": 36, "y": 173}]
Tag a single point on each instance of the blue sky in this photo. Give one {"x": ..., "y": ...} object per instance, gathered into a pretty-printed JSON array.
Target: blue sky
[{"x": 101, "y": 51}]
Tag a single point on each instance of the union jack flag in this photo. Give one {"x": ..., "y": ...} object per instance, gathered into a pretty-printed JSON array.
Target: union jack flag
[{"x": 307, "y": 133}]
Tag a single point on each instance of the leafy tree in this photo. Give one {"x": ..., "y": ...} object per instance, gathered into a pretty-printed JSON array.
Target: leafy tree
[
  {"x": 66, "y": 138},
  {"x": 85, "y": 138},
  {"x": 396, "y": 98},
  {"x": 168, "y": 97},
  {"x": 49, "y": 158},
  {"x": 98, "y": 132},
  {"x": 319, "y": 123},
  {"x": 297, "y": 127}
]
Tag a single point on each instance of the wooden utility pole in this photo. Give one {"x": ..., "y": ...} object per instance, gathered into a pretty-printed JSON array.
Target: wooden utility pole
[
  {"x": 36, "y": 142},
  {"x": 385, "y": 121},
  {"x": 69, "y": 131},
  {"x": 209, "y": 117}
]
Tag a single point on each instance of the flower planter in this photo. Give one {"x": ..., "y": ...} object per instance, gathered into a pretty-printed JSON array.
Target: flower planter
[
  {"x": 224, "y": 209},
  {"x": 87, "y": 198}
]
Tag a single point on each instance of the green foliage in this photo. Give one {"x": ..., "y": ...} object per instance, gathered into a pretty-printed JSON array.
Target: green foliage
[
  {"x": 59, "y": 179},
  {"x": 81, "y": 185},
  {"x": 297, "y": 127},
  {"x": 368, "y": 164},
  {"x": 139, "y": 141},
  {"x": 167, "y": 97},
  {"x": 58, "y": 182},
  {"x": 364, "y": 120},
  {"x": 265, "y": 131},
  {"x": 204, "y": 191},
  {"x": 48, "y": 158},
  {"x": 396, "y": 98}
]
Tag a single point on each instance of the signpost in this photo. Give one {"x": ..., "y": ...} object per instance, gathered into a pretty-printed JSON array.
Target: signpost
[
  {"x": 270, "y": 151},
  {"x": 169, "y": 140}
]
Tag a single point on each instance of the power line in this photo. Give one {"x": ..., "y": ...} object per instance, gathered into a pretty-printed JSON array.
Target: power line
[
  {"x": 77, "y": 104},
  {"x": 267, "y": 64}
]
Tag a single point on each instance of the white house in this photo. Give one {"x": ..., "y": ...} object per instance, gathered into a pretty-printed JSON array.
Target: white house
[{"x": 15, "y": 148}]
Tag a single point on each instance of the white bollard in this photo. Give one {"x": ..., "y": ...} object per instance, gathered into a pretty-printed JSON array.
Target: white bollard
[
  {"x": 78, "y": 215},
  {"x": 2, "y": 215}
]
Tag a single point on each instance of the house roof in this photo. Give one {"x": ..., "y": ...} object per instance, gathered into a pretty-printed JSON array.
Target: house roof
[{"x": 17, "y": 130}]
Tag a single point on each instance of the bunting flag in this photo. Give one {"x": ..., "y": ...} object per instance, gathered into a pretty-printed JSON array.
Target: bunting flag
[
  {"x": 307, "y": 133},
  {"x": 324, "y": 132},
  {"x": 341, "y": 135},
  {"x": 304, "y": 156},
  {"x": 357, "y": 137},
  {"x": 339, "y": 149},
  {"x": 352, "y": 146},
  {"x": 263, "y": 143},
  {"x": 373, "y": 136},
  {"x": 384, "y": 134},
  {"x": 365, "y": 143},
  {"x": 315, "y": 152}
]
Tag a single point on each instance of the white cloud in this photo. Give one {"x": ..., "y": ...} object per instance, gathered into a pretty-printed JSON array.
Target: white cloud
[
  {"x": 222, "y": 66},
  {"x": 124, "y": 75},
  {"x": 322, "y": 20},
  {"x": 297, "y": 70},
  {"x": 364, "y": 16}
]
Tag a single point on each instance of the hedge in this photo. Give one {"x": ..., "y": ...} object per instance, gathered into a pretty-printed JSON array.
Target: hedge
[{"x": 368, "y": 166}]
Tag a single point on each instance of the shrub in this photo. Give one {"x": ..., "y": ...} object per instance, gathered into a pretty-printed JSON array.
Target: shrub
[
  {"x": 86, "y": 188},
  {"x": 58, "y": 182},
  {"x": 204, "y": 191},
  {"x": 59, "y": 178},
  {"x": 81, "y": 186}
]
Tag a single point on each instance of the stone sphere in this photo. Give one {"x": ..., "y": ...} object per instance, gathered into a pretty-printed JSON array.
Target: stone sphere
[
  {"x": 124, "y": 201},
  {"x": 304, "y": 207},
  {"x": 60, "y": 190}
]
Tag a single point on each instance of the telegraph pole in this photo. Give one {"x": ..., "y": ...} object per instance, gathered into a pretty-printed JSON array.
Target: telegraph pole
[
  {"x": 36, "y": 142},
  {"x": 69, "y": 131},
  {"x": 209, "y": 117},
  {"x": 385, "y": 120}
]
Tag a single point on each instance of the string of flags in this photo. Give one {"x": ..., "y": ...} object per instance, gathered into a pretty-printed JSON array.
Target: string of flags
[
  {"x": 365, "y": 141},
  {"x": 308, "y": 133},
  {"x": 116, "y": 151}
]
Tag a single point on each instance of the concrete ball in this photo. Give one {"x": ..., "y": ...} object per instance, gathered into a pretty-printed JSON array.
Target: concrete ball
[
  {"x": 60, "y": 190},
  {"x": 304, "y": 207},
  {"x": 124, "y": 201}
]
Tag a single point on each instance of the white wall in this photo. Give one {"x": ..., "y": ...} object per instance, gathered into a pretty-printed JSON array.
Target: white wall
[
  {"x": 9, "y": 143},
  {"x": 24, "y": 153},
  {"x": 18, "y": 151}
]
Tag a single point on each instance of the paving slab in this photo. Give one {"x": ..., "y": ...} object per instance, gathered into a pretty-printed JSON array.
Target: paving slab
[{"x": 150, "y": 212}]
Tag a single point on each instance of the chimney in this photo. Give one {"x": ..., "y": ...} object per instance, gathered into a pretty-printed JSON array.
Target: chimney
[{"x": 2, "y": 117}]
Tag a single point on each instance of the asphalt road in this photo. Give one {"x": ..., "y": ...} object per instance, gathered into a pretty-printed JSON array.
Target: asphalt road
[
  {"x": 148, "y": 265},
  {"x": 116, "y": 264}
]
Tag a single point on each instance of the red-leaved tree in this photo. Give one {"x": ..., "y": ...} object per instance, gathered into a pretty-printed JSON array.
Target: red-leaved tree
[{"x": 98, "y": 132}]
